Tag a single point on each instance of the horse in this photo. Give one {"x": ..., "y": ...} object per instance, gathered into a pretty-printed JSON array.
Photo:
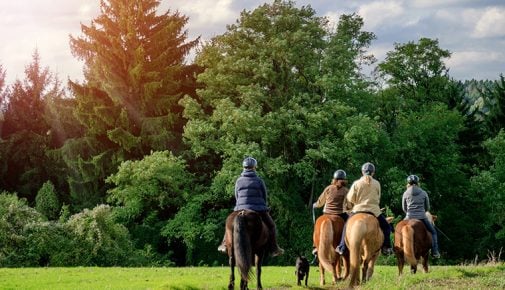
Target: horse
[
  {"x": 364, "y": 238},
  {"x": 412, "y": 242},
  {"x": 246, "y": 239},
  {"x": 327, "y": 234}
]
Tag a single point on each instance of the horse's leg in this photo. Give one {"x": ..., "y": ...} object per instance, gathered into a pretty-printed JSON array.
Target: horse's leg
[
  {"x": 321, "y": 274},
  {"x": 400, "y": 259},
  {"x": 425, "y": 263},
  {"x": 259, "y": 261},
  {"x": 413, "y": 269},
  {"x": 231, "y": 285},
  {"x": 364, "y": 270}
]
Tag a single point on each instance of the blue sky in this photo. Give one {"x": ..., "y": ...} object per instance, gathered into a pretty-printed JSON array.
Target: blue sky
[{"x": 473, "y": 30}]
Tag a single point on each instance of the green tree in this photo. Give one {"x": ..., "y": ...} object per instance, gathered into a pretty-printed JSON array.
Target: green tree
[
  {"x": 494, "y": 101},
  {"x": 148, "y": 193},
  {"x": 24, "y": 135},
  {"x": 46, "y": 201},
  {"x": 488, "y": 187},
  {"x": 135, "y": 73},
  {"x": 270, "y": 90},
  {"x": 418, "y": 71}
]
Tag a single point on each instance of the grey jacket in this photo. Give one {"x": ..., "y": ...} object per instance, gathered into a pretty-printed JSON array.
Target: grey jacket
[
  {"x": 250, "y": 192},
  {"x": 415, "y": 203}
]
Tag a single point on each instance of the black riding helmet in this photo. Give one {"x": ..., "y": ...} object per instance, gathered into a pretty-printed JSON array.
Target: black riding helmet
[
  {"x": 339, "y": 174},
  {"x": 249, "y": 163},
  {"x": 412, "y": 179},
  {"x": 368, "y": 168}
]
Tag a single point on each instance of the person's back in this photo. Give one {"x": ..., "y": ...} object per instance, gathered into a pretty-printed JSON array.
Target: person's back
[
  {"x": 364, "y": 196},
  {"x": 415, "y": 204},
  {"x": 251, "y": 194}
]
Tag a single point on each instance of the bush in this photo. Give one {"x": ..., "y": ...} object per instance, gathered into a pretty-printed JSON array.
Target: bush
[
  {"x": 15, "y": 215},
  {"x": 47, "y": 202},
  {"x": 99, "y": 240}
]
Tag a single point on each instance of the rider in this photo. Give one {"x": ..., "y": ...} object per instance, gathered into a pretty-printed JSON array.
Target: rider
[
  {"x": 415, "y": 203},
  {"x": 364, "y": 196},
  {"x": 333, "y": 198},
  {"x": 251, "y": 194}
]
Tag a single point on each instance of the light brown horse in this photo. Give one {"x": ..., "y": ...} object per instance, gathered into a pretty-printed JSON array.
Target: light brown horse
[
  {"x": 327, "y": 234},
  {"x": 412, "y": 242},
  {"x": 364, "y": 238},
  {"x": 246, "y": 242}
]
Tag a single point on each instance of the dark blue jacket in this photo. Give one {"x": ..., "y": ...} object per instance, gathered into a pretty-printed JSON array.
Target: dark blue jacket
[{"x": 250, "y": 192}]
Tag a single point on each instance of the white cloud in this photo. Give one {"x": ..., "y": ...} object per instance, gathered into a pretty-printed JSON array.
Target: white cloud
[
  {"x": 204, "y": 12},
  {"x": 379, "y": 12},
  {"x": 491, "y": 23},
  {"x": 465, "y": 58}
]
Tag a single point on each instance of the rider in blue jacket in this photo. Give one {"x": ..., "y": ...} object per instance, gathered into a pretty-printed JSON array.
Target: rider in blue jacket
[{"x": 251, "y": 194}]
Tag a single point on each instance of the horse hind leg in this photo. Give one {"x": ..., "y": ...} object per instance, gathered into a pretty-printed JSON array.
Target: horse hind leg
[
  {"x": 231, "y": 285},
  {"x": 321, "y": 275},
  {"x": 425, "y": 263}
]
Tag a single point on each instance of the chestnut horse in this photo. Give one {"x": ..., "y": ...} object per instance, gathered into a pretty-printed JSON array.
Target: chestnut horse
[
  {"x": 246, "y": 239},
  {"x": 364, "y": 238},
  {"x": 327, "y": 233},
  {"x": 412, "y": 242}
]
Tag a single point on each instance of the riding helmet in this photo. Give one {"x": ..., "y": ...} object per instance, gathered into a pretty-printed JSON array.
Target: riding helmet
[
  {"x": 339, "y": 174},
  {"x": 368, "y": 168},
  {"x": 412, "y": 179},
  {"x": 249, "y": 162}
]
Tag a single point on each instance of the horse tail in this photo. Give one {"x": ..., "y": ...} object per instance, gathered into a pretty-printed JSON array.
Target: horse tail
[
  {"x": 408, "y": 244},
  {"x": 355, "y": 236},
  {"x": 242, "y": 246},
  {"x": 326, "y": 251}
]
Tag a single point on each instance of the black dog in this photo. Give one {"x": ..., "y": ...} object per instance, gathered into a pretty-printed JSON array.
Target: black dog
[{"x": 302, "y": 269}]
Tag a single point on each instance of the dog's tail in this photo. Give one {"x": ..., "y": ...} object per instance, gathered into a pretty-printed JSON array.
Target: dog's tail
[{"x": 326, "y": 252}]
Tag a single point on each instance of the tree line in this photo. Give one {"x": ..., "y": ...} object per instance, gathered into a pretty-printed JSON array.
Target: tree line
[{"x": 136, "y": 164}]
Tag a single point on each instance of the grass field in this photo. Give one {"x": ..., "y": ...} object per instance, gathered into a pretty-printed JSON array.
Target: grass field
[{"x": 385, "y": 277}]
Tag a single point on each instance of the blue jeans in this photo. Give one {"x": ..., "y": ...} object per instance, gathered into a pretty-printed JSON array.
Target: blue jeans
[
  {"x": 434, "y": 237},
  {"x": 385, "y": 227}
]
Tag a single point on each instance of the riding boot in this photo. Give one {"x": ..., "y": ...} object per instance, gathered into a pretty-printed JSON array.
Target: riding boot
[
  {"x": 341, "y": 248},
  {"x": 386, "y": 229},
  {"x": 434, "y": 238},
  {"x": 274, "y": 247}
]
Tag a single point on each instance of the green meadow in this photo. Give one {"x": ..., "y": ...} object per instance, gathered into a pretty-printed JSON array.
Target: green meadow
[{"x": 385, "y": 277}]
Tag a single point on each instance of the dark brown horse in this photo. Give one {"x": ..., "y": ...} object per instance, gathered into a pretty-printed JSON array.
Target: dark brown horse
[
  {"x": 327, "y": 234},
  {"x": 247, "y": 244},
  {"x": 412, "y": 242}
]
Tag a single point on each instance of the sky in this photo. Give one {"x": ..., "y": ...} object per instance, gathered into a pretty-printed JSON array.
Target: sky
[{"x": 472, "y": 30}]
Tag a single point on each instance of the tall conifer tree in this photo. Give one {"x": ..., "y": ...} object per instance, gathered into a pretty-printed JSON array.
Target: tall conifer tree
[{"x": 135, "y": 74}]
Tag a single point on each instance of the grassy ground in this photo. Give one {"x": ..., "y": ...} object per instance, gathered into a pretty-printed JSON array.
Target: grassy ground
[{"x": 385, "y": 277}]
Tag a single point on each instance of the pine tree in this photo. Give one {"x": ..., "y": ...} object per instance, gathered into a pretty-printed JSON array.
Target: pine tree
[
  {"x": 24, "y": 135},
  {"x": 135, "y": 74}
]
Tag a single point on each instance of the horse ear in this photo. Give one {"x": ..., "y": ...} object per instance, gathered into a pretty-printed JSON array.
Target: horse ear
[{"x": 389, "y": 219}]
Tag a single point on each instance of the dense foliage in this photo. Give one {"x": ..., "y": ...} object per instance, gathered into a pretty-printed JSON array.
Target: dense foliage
[{"x": 137, "y": 165}]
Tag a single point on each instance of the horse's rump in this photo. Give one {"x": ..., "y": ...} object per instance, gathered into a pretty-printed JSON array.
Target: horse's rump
[
  {"x": 326, "y": 236},
  {"x": 249, "y": 237},
  {"x": 412, "y": 241},
  {"x": 364, "y": 239}
]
